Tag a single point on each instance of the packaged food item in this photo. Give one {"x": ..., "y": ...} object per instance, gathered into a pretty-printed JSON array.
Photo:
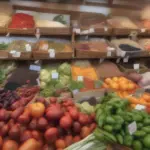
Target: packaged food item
[
  {"x": 49, "y": 24},
  {"x": 121, "y": 22},
  {"x": 22, "y": 21}
]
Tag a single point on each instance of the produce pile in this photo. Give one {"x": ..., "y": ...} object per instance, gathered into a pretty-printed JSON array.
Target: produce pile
[
  {"x": 118, "y": 124},
  {"x": 45, "y": 123}
]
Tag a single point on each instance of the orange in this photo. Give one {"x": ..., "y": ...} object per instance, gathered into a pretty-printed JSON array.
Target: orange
[
  {"x": 123, "y": 79},
  {"x": 123, "y": 86},
  {"x": 114, "y": 85},
  {"x": 105, "y": 86},
  {"x": 115, "y": 79},
  {"x": 146, "y": 97},
  {"x": 108, "y": 80},
  {"x": 131, "y": 86},
  {"x": 37, "y": 109}
]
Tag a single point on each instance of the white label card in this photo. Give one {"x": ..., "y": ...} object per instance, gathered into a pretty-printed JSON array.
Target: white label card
[
  {"x": 84, "y": 32},
  {"x": 15, "y": 54},
  {"x": 37, "y": 35},
  {"x": 91, "y": 30},
  {"x": 136, "y": 66},
  {"x": 75, "y": 91},
  {"x": 51, "y": 53},
  {"x": 122, "y": 53},
  {"x": 126, "y": 59},
  {"x": 132, "y": 127},
  {"x": 105, "y": 29},
  {"x": 143, "y": 30},
  {"x": 37, "y": 31},
  {"x": 77, "y": 30},
  {"x": 109, "y": 54},
  {"x": 28, "y": 47},
  {"x": 101, "y": 60},
  {"x": 118, "y": 60},
  {"x": 80, "y": 78},
  {"x": 55, "y": 75},
  {"x": 38, "y": 81},
  {"x": 140, "y": 107},
  {"x": 35, "y": 68}
]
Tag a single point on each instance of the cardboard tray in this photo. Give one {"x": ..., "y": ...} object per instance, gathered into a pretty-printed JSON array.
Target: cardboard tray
[
  {"x": 21, "y": 31},
  {"x": 3, "y": 30},
  {"x": 24, "y": 55},
  {"x": 93, "y": 54},
  {"x": 4, "y": 54},
  {"x": 54, "y": 31}
]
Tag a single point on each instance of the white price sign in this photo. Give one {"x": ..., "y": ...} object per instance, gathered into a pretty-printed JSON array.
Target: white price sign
[
  {"x": 140, "y": 107},
  {"x": 80, "y": 78},
  {"x": 75, "y": 91},
  {"x": 136, "y": 66},
  {"x": 28, "y": 47},
  {"x": 15, "y": 54},
  {"x": 51, "y": 53},
  {"x": 35, "y": 68},
  {"x": 55, "y": 75},
  {"x": 132, "y": 127}
]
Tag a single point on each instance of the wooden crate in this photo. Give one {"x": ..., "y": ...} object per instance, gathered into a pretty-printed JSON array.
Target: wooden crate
[
  {"x": 54, "y": 31},
  {"x": 24, "y": 56},
  {"x": 4, "y": 54},
  {"x": 21, "y": 31}
]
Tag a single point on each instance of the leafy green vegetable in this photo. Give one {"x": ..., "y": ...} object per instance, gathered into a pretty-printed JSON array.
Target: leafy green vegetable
[{"x": 65, "y": 69}]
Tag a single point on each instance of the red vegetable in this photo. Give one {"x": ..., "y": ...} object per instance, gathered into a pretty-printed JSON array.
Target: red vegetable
[
  {"x": 60, "y": 144},
  {"x": 16, "y": 113},
  {"x": 76, "y": 127},
  {"x": 66, "y": 122},
  {"x": 51, "y": 134},
  {"x": 42, "y": 123},
  {"x": 68, "y": 140},
  {"x": 74, "y": 114},
  {"x": 54, "y": 113},
  {"x": 4, "y": 130},
  {"x": 14, "y": 132},
  {"x": 83, "y": 119},
  {"x": 85, "y": 131},
  {"x": 76, "y": 139},
  {"x": 26, "y": 135}
]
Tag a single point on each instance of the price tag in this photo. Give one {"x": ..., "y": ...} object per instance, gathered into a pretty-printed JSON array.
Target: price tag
[
  {"x": 37, "y": 31},
  {"x": 101, "y": 60},
  {"x": 8, "y": 34},
  {"x": 143, "y": 30},
  {"x": 37, "y": 35},
  {"x": 91, "y": 30},
  {"x": 136, "y": 66},
  {"x": 140, "y": 107},
  {"x": 132, "y": 127},
  {"x": 55, "y": 75},
  {"x": 122, "y": 53},
  {"x": 38, "y": 81},
  {"x": 84, "y": 32},
  {"x": 118, "y": 60},
  {"x": 109, "y": 54},
  {"x": 51, "y": 53},
  {"x": 28, "y": 47},
  {"x": 105, "y": 29},
  {"x": 110, "y": 48},
  {"x": 15, "y": 53},
  {"x": 126, "y": 59},
  {"x": 35, "y": 68},
  {"x": 77, "y": 30},
  {"x": 75, "y": 91},
  {"x": 80, "y": 78}
]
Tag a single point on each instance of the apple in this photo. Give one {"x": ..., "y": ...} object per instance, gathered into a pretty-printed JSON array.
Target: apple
[
  {"x": 33, "y": 124},
  {"x": 42, "y": 123},
  {"x": 26, "y": 135},
  {"x": 37, "y": 109}
]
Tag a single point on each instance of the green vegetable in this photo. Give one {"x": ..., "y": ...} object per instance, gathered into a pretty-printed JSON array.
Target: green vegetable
[
  {"x": 64, "y": 80},
  {"x": 128, "y": 139},
  {"x": 108, "y": 128},
  {"x": 110, "y": 120},
  {"x": 139, "y": 125},
  {"x": 65, "y": 69},
  {"x": 146, "y": 129},
  {"x": 146, "y": 121},
  {"x": 146, "y": 141},
  {"x": 137, "y": 117},
  {"x": 119, "y": 138},
  {"x": 137, "y": 145},
  {"x": 3, "y": 46},
  {"x": 101, "y": 120},
  {"x": 139, "y": 133}
]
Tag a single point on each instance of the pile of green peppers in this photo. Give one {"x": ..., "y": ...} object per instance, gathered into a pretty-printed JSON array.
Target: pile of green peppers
[{"x": 113, "y": 117}]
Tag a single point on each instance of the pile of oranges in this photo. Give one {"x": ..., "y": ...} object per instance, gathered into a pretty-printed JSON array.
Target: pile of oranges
[{"x": 121, "y": 85}]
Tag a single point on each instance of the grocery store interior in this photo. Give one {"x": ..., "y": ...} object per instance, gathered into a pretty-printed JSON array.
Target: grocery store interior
[{"x": 75, "y": 75}]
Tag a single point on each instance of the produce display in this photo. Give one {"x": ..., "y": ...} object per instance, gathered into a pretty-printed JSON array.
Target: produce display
[
  {"x": 22, "y": 21},
  {"x": 55, "y": 78},
  {"x": 118, "y": 124},
  {"x": 3, "y": 46},
  {"x": 42, "y": 125}
]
